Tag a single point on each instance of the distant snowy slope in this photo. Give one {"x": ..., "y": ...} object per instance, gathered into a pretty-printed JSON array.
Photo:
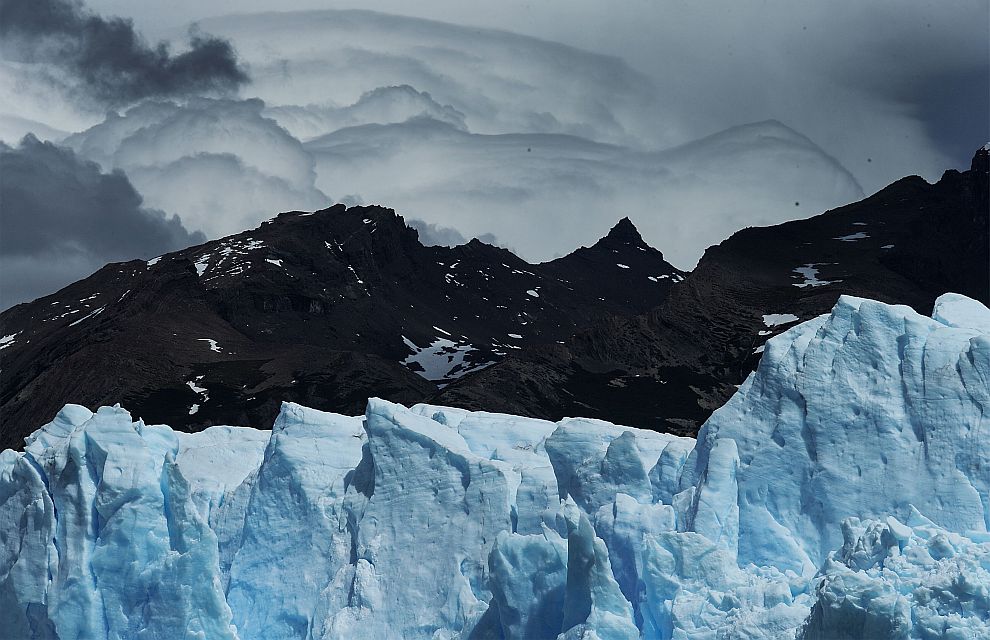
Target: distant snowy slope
[{"x": 842, "y": 493}]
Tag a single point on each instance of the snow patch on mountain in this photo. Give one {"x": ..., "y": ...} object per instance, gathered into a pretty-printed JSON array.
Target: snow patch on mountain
[
  {"x": 443, "y": 360},
  {"x": 7, "y": 340},
  {"x": 214, "y": 345},
  {"x": 811, "y": 279},
  {"x": 779, "y": 319},
  {"x": 852, "y": 237}
]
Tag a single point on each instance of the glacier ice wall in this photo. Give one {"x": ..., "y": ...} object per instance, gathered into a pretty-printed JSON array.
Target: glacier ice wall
[{"x": 841, "y": 493}]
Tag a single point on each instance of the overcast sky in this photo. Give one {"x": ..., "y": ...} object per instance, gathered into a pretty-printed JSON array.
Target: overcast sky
[
  {"x": 919, "y": 68},
  {"x": 536, "y": 125}
]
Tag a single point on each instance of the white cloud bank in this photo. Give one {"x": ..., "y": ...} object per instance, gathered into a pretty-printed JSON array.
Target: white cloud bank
[
  {"x": 500, "y": 82},
  {"x": 547, "y": 194},
  {"x": 221, "y": 163},
  {"x": 471, "y": 132}
]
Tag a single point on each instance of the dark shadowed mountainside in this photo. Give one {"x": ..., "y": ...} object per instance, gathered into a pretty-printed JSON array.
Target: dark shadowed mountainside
[
  {"x": 325, "y": 309},
  {"x": 670, "y": 368}
]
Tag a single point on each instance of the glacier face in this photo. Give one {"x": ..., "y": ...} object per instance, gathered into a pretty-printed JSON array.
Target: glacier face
[{"x": 843, "y": 492}]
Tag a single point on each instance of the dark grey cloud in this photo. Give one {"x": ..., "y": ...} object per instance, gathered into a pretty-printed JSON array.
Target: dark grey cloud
[
  {"x": 948, "y": 91},
  {"x": 110, "y": 59},
  {"x": 61, "y": 218},
  {"x": 954, "y": 106}
]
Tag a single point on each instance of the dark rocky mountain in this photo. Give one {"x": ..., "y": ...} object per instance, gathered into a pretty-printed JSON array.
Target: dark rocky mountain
[
  {"x": 670, "y": 368},
  {"x": 325, "y": 309},
  {"x": 329, "y": 308}
]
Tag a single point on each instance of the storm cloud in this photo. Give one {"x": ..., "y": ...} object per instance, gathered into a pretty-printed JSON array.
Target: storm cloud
[
  {"x": 108, "y": 58},
  {"x": 61, "y": 218}
]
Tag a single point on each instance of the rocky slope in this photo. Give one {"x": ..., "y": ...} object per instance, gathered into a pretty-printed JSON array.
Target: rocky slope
[
  {"x": 327, "y": 308},
  {"x": 670, "y": 368}
]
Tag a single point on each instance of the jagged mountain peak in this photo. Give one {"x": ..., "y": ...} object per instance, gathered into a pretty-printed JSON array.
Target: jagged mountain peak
[
  {"x": 326, "y": 307},
  {"x": 341, "y": 219},
  {"x": 624, "y": 232},
  {"x": 622, "y": 247},
  {"x": 981, "y": 159},
  {"x": 906, "y": 244}
]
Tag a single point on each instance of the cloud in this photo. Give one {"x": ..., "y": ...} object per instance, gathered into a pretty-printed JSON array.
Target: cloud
[
  {"x": 547, "y": 194},
  {"x": 62, "y": 219},
  {"x": 219, "y": 194},
  {"x": 383, "y": 105},
  {"x": 14, "y": 128},
  {"x": 433, "y": 235},
  {"x": 946, "y": 91},
  {"x": 483, "y": 132},
  {"x": 219, "y": 163},
  {"x": 111, "y": 62},
  {"x": 499, "y": 82},
  {"x": 881, "y": 85},
  {"x": 888, "y": 88},
  {"x": 475, "y": 130}
]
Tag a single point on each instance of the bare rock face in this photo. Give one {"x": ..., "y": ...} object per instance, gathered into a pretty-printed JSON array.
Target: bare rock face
[
  {"x": 670, "y": 368},
  {"x": 326, "y": 308}
]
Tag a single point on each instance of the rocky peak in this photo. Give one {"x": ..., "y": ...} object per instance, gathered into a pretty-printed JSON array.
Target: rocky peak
[
  {"x": 981, "y": 160},
  {"x": 624, "y": 232},
  {"x": 328, "y": 307}
]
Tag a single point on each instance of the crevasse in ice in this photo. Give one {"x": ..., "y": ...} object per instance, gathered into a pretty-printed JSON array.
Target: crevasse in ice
[{"x": 843, "y": 492}]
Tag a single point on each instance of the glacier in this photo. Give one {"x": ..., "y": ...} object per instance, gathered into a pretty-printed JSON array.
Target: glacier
[{"x": 843, "y": 492}]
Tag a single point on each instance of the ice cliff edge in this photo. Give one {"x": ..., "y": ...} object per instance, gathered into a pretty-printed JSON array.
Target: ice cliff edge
[{"x": 843, "y": 492}]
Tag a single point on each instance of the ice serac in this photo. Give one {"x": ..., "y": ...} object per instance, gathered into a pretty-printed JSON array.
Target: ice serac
[
  {"x": 529, "y": 578},
  {"x": 424, "y": 535},
  {"x": 519, "y": 442},
  {"x": 594, "y": 460},
  {"x": 842, "y": 493},
  {"x": 912, "y": 579},
  {"x": 865, "y": 412},
  {"x": 26, "y": 516},
  {"x": 127, "y": 552},
  {"x": 593, "y": 603},
  {"x": 295, "y": 531}
]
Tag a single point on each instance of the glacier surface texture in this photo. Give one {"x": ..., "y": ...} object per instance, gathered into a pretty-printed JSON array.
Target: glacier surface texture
[{"x": 843, "y": 492}]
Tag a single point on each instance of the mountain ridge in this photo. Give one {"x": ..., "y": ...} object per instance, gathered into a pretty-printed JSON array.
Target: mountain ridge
[
  {"x": 327, "y": 307},
  {"x": 670, "y": 368}
]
